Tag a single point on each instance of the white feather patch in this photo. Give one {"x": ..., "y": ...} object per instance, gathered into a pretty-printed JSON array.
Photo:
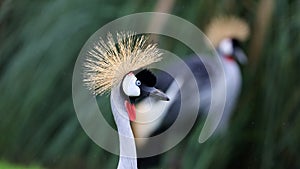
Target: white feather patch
[
  {"x": 226, "y": 47},
  {"x": 129, "y": 86}
]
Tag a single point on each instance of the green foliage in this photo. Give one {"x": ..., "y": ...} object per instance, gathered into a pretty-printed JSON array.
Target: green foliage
[
  {"x": 5, "y": 165},
  {"x": 40, "y": 41}
]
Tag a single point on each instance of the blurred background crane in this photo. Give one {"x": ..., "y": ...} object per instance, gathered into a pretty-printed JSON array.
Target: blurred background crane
[
  {"x": 40, "y": 41},
  {"x": 226, "y": 34}
]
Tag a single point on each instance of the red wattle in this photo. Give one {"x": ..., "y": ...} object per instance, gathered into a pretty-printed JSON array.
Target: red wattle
[
  {"x": 229, "y": 58},
  {"x": 130, "y": 108}
]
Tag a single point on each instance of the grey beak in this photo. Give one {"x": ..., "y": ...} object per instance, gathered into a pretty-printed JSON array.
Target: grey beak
[
  {"x": 240, "y": 56},
  {"x": 153, "y": 92},
  {"x": 159, "y": 94}
]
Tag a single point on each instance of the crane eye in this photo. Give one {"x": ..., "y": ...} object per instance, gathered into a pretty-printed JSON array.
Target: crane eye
[{"x": 138, "y": 83}]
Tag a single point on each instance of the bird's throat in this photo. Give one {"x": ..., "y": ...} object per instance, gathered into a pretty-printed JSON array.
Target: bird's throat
[{"x": 130, "y": 108}]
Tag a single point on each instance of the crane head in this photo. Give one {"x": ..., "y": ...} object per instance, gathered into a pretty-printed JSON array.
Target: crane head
[
  {"x": 231, "y": 49},
  {"x": 137, "y": 87}
]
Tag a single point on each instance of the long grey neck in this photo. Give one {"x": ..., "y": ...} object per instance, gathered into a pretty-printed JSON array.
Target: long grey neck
[{"x": 127, "y": 144}]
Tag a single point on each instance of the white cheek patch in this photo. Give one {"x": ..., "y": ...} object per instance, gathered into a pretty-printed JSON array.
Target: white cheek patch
[
  {"x": 129, "y": 86},
  {"x": 226, "y": 47}
]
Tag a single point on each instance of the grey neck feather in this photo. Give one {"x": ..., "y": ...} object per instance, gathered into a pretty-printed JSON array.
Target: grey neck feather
[{"x": 127, "y": 144}]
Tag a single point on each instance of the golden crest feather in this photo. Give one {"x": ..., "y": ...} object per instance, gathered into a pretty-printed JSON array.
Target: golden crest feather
[
  {"x": 109, "y": 61},
  {"x": 227, "y": 27}
]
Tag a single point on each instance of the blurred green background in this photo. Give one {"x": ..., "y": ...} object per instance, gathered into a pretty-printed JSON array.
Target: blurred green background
[{"x": 40, "y": 41}]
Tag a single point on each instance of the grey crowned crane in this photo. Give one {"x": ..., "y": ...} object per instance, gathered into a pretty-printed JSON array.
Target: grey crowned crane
[
  {"x": 226, "y": 34},
  {"x": 120, "y": 67}
]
